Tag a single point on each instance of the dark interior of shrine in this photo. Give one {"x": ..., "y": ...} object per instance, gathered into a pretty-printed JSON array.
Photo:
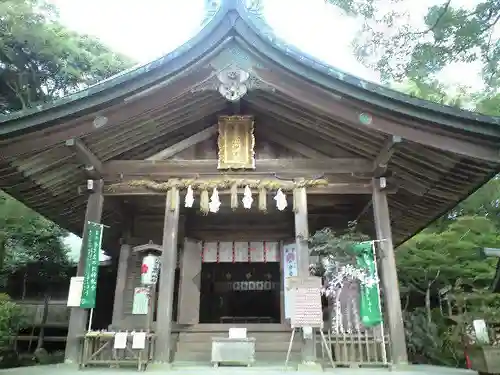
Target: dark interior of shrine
[{"x": 240, "y": 293}]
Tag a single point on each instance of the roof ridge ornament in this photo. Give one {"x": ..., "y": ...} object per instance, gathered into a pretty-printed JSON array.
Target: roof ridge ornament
[{"x": 233, "y": 83}]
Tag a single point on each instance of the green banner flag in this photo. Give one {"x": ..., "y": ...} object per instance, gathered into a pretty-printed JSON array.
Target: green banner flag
[
  {"x": 92, "y": 251},
  {"x": 369, "y": 306}
]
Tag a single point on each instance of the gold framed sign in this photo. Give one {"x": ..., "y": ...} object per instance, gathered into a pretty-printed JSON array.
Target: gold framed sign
[{"x": 236, "y": 142}]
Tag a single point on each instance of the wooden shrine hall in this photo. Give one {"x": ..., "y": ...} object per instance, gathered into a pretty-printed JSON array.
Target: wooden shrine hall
[{"x": 220, "y": 153}]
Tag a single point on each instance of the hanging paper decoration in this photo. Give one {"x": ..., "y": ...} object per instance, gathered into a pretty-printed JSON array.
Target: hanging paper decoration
[
  {"x": 280, "y": 198},
  {"x": 234, "y": 196},
  {"x": 262, "y": 199},
  {"x": 189, "y": 200},
  {"x": 247, "y": 198},
  {"x": 204, "y": 202},
  {"x": 214, "y": 204}
]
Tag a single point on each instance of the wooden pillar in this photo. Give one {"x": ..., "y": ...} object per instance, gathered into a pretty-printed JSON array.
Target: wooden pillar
[
  {"x": 301, "y": 237},
  {"x": 163, "y": 346},
  {"x": 78, "y": 317},
  {"x": 389, "y": 275},
  {"x": 189, "y": 288},
  {"x": 121, "y": 283}
]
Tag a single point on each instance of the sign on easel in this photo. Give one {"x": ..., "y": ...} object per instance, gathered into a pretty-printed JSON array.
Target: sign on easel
[
  {"x": 306, "y": 310},
  {"x": 140, "y": 305}
]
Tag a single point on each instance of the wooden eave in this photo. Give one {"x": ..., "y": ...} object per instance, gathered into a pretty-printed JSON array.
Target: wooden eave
[{"x": 445, "y": 155}]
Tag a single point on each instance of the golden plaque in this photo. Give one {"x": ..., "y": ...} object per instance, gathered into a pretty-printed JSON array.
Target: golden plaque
[{"x": 236, "y": 142}]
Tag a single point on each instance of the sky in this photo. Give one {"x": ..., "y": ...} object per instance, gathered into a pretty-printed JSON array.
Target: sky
[{"x": 148, "y": 29}]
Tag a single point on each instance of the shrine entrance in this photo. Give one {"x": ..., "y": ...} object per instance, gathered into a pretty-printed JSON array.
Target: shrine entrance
[{"x": 240, "y": 293}]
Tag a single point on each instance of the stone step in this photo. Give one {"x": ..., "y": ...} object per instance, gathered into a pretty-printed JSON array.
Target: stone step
[{"x": 268, "y": 357}]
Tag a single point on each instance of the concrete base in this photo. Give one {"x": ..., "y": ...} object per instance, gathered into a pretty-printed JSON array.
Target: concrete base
[
  {"x": 207, "y": 370},
  {"x": 309, "y": 367}
]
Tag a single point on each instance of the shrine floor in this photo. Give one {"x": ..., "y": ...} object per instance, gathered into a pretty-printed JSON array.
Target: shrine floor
[{"x": 206, "y": 370}]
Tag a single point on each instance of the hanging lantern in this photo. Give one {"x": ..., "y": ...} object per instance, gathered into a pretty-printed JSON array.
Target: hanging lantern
[
  {"x": 281, "y": 202},
  {"x": 189, "y": 200},
  {"x": 214, "y": 204},
  {"x": 247, "y": 198},
  {"x": 149, "y": 269}
]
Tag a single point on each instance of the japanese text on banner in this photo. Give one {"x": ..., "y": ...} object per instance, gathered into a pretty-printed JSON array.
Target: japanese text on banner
[{"x": 93, "y": 249}]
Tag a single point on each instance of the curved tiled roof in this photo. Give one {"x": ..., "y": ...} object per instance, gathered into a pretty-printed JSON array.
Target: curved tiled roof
[{"x": 317, "y": 101}]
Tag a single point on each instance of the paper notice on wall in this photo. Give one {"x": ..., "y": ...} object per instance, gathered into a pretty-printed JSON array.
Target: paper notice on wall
[
  {"x": 272, "y": 252},
  {"x": 75, "y": 291},
  {"x": 141, "y": 301},
  {"x": 225, "y": 252},
  {"x": 210, "y": 253},
  {"x": 257, "y": 252}
]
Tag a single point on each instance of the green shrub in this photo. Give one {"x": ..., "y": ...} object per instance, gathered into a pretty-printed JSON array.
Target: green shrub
[{"x": 11, "y": 318}]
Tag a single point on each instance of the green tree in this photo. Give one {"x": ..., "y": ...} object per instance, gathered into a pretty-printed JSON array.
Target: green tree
[
  {"x": 40, "y": 59},
  {"x": 450, "y": 33},
  {"x": 32, "y": 244}
]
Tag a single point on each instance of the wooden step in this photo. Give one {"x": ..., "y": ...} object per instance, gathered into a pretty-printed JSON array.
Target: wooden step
[
  {"x": 273, "y": 346},
  {"x": 259, "y": 336}
]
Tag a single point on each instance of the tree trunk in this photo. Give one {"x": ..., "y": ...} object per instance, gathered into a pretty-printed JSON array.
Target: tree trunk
[
  {"x": 428, "y": 303},
  {"x": 43, "y": 322}
]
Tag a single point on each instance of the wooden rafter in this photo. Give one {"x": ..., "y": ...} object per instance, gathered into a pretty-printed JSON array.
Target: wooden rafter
[
  {"x": 382, "y": 160},
  {"x": 92, "y": 164},
  {"x": 293, "y": 145},
  {"x": 328, "y": 104}
]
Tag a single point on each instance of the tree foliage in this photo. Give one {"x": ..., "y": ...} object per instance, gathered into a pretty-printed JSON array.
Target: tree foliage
[
  {"x": 31, "y": 243},
  {"x": 41, "y": 59},
  {"x": 398, "y": 48}
]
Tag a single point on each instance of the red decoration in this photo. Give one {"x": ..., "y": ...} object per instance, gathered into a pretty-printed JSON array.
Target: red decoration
[
  {"x": 218, "y": 256},
  {"x": 144, "y": 269},
  {"x": 203, "y": 252},
  {"x": 234, "y": 253}
]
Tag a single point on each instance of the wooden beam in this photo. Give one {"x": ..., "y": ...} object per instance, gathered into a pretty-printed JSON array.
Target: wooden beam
[
  {"x": 339, "y": 188},
  {"x": 92, "y": 164},
  {"x": 179, "y": 168},
  {"x": 384, "y": 156},
  {"x": 186, "y": 143}
]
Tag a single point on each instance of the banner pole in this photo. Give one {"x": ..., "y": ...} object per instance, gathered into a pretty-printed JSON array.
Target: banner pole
[
  {"x": 90, "y": 320},
  {"x": 384, "y": 351}
]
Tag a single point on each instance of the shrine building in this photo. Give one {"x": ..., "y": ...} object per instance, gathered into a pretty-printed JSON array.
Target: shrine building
[{"x": 221, "y": 153}]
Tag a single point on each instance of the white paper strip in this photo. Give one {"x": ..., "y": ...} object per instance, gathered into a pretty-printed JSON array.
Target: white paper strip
[
  {"x": 210, "y": 254},
  {"x": 272, "y": 252},
  {"x": 241, "y": 252},
  {"x": 257, "y": 251},
  {"x": 225, "y": 252},
  {"x": 139, "y": 340},
  {"x": 120, "y": 340},
  {"x": 75, "y": 291}
]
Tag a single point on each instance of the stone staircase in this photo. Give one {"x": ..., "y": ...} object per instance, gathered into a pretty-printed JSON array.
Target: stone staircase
[{"x": 194, "y": 344}]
